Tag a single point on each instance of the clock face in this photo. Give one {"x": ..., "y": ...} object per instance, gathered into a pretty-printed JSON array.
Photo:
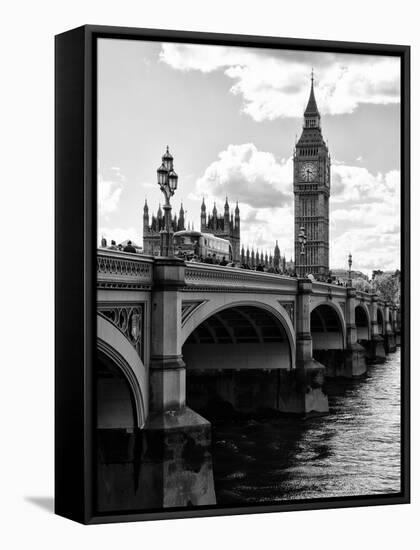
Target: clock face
[{"x": 308, "y": 171}]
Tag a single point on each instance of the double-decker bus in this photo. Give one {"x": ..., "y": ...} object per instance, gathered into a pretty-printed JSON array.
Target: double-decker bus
[{"x": 191, "y": 244}]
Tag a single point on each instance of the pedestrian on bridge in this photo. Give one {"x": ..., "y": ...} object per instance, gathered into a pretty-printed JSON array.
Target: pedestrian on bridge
[{"x": 129, "y": 247}]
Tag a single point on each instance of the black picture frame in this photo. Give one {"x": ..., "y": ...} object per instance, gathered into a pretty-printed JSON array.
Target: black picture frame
[{"x": 75, "y": 267}]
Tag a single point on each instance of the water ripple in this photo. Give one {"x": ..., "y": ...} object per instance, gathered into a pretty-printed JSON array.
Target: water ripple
[{"x": 355, "y": 450}]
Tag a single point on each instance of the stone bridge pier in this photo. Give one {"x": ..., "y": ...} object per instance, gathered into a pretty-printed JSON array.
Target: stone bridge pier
[
  {"x": 355, "y": 357},
  {"x": 390, "y": 342},
  {"x": 395, "y": 324},
  {"x": 375, "y": 346},
  {"x": 176, "y": 464},
  {"x": 346, "y": 360},
  {"x": 338, "y": 325},
  {"x": 303, "y": 387}
]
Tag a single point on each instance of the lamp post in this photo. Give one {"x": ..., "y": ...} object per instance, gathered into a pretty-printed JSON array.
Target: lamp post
[
  {"x": 302, "y": 241},
  {"x": 350, "y": 262},
  {"x": 168, "y": 182}
]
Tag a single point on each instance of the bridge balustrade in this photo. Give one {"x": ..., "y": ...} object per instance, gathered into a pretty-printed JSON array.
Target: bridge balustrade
[
  {"x": 207, "y": 275},
  {"x": 123, "y": 270}
]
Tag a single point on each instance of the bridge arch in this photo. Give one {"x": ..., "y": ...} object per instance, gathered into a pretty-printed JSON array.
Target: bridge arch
[
  {"x": 328, "y": 326},
  {"x": 270, "y": 306},
  {"x": 362, "y": 320},
  {"x": 117, "y": 357},
  {"x": 237, "y": 358}
]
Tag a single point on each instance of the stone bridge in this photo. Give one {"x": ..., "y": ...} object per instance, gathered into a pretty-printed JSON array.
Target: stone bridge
[{"x": 174, "y": 337}]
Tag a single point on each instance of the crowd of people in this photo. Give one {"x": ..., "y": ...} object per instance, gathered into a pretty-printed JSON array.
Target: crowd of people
[
  {"x": 128, "y": 247},
  {"x": 212, "y": 259}
]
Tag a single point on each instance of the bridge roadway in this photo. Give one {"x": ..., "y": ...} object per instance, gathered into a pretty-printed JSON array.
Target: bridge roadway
[{"x": 172, "y": 334}]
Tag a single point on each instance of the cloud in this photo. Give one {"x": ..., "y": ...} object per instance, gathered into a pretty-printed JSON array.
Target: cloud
[
  {"x": 261, "y": 228},
  {"x": 275, "y": 84},
  {"x": 253, "y": 177},
  {"x": 263, "y": 187},
  {"x": 110, "y": 186},
  {"x": 363, "y": 183},
  {"x": 365, "y": 218},
  {"x": 364, "y": 207},
  {"x": 370, "y": 250}
]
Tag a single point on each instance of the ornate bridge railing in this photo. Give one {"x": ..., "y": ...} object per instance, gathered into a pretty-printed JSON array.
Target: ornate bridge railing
[
  {"x": 329, "y": 290},
  {"x": 123, "y": 270},
  {"x": 364, "y": 296},
  {"x": 212, "y": 278}
]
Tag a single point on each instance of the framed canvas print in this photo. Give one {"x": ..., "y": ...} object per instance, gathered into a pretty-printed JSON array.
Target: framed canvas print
[{"x": 232, "y": 274}]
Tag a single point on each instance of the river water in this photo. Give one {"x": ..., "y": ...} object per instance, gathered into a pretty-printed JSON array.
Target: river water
[{"x": 355, "y": 450}]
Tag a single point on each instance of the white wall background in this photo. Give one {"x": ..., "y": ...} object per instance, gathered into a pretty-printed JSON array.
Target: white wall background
[{"x": 26, "y": 289}]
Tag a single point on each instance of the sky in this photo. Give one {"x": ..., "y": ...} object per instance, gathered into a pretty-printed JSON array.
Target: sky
[{"x": 231, "y": 117}]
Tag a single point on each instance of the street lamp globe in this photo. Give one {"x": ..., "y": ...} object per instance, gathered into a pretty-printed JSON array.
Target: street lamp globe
[
  {"x": 168, "y": 160},
  {"x": 162, "y": 175},
  {"x": 173, "y": 181}
]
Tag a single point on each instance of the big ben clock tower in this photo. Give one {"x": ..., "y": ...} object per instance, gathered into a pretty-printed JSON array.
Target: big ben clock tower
[{"x": 311, "y": 186}]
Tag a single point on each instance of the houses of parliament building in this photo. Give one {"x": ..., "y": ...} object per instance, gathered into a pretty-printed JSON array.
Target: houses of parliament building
[
  {"x": 152, "y": 226},
  {"x": 226, "y": 226}
]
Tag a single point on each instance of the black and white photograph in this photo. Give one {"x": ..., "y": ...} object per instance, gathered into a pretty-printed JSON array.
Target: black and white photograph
[
  {"x": 209, "y": 290},
  {"x": 248, "y": 276}
]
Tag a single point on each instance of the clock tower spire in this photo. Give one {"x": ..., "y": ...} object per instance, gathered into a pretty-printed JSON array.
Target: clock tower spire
[{"x": 311, "y": 186}]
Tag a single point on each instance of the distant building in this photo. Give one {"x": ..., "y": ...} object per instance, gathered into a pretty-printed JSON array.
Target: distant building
[
  {"x": 226, "y": 226},
  {"x": 152, "y": 226},
  {"x": 393, "y": 272},
  {"x": 270, "y": 261},
  {"x": 289, "y": 266},
  {"x": 342, "y": 275}
]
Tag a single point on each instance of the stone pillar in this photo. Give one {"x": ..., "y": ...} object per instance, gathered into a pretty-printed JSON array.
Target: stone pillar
[
  {"x": 399, "y": 318},
  {"x": 390, "y": 345},
  {"x": 167, "y": 369},
  {"x": 393, "y": 317},
  {"x": 351, "y": 329},
  {"x": 302, "y": 390},
  {"x": 396, "y": 326},
  {"x": 375, "y": 346},
  {"x": 373, "y": 310},
  {"x": 303, "y": 324},
  {"x": 176, "y": 465},
  {"x": 355, "y": 360}
]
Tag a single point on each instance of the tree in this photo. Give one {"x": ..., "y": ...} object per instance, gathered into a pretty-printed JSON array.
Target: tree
[
  {"x": 388, "y": 287},
  {"x": 362, "y": 284}
]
